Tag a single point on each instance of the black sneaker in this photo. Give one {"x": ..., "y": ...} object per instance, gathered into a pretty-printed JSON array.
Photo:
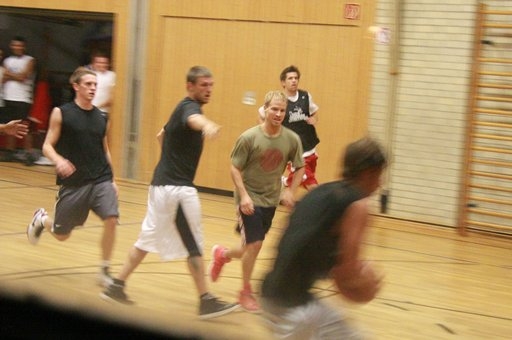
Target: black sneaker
[
  {"x": 30, "y": 158},
  {"x": 8, "y": 156},
  {"x": 115, "y": 292},
  {"x": 212, "y": 307}
]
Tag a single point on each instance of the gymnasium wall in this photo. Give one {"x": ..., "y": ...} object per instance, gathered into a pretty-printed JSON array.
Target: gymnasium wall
[
  {"x": 246, "y": 45},
  {"x": 419, "y": 105}
]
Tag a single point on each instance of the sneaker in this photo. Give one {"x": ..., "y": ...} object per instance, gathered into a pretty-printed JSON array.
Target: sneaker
[
  {"x": 248, "y": 302},
  {"x": 212, "y": 307},
  {"x": 8, "y": 156},
  {"x": 217, "y": 262},
  {"x": 104, "y": 277},
  {"x": 30, "y": 158},
  {"x": 36, "y": 227},
  {"x": 43, "y": 161},
  {"x": 115, "y": 292}
]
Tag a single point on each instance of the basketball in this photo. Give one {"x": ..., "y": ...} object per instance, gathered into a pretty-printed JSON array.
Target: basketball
[{"x": 362, "y": 289}]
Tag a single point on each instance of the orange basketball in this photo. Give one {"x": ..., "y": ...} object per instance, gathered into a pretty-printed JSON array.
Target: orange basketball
[{"x": 362, "y": 289}]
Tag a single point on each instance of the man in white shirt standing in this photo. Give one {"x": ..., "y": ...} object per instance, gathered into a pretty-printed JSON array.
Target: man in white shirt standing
[
  {"x": 18, "y": 78},
  {"x": 100, "y": 64}
]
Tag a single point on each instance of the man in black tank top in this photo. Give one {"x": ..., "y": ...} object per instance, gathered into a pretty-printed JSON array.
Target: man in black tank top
[
  {"x": 301, "y": 117},
  {"x": 76, "y": 143},
  {"x": 323, "y": 240}
]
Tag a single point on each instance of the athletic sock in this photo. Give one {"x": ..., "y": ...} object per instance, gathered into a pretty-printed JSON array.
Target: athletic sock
[
  {"x": 247, "y": 288},
  {"x": 206, "y": 296},
  {"x": 118, "y": 282}
]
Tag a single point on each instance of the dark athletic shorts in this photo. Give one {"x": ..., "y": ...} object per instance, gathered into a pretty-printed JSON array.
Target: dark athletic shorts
[
  {"x": 73, "y": 205},
  {"x": 15, "y": 110},
  {"x": 254, "y": 227}
]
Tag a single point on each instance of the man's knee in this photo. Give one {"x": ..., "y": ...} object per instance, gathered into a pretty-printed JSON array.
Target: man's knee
[
  {"x": 110, "y": 222},
  {"x": 62, "y": 237},
  {"x": 254, "y": 246}
]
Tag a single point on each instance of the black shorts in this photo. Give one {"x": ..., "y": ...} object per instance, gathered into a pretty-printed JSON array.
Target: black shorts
[
  {"x": 15, "y": 110},
  {"x": 254, "y": 227}
]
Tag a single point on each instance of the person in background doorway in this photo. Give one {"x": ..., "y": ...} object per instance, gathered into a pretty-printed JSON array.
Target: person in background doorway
[
  {"x": 18, "y": 85},
  {"x": 100, "y": 64}
]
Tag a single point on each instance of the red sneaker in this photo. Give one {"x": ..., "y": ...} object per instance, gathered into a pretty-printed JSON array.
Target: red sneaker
[
  {"x": 217, "y": 262},
  {"x": 248, "y": 302}
]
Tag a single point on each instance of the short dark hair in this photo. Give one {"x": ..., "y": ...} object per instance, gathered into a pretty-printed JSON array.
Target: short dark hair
[
  {"x": 197, "y": 72},
  {"x": 361, "y": 155},
  {"x": 18, "y": 38},
  {"x": 99, "y": 54},
  {"x": 291, "y": 68}
]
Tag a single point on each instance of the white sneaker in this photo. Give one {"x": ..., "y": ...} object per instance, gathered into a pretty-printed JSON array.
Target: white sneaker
[
  {"x": 43, "y": 161},
  {"x": 104, "y": 277},
  {"x": 36, "y": 227}
]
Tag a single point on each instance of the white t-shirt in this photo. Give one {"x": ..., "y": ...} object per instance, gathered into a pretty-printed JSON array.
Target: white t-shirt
[
  {"x": 106, "y": 82},
  {"x": 19, "y": 91},
  {"x": 1, "y": 87}
]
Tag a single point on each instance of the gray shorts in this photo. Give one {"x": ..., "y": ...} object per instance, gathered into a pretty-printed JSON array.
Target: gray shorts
[{"x": 73, "y": 205}]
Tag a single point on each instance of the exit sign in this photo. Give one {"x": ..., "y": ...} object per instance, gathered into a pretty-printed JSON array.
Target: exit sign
[{"x": 352, "y": 11}]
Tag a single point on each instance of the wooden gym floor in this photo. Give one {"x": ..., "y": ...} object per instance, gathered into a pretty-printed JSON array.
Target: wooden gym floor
[{"x": 438, "y": 285}]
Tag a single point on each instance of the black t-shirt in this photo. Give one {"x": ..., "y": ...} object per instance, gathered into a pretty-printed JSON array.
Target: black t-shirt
[
  {"x": 309, "y": 246},
  {"x": 81, "y": 142},
  {"x": 181, "y": 148}
]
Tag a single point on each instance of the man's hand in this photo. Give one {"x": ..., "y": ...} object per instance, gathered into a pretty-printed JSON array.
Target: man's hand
[
  {"x": 15, "y": 128},
  {"x": 64, "y": 168}
]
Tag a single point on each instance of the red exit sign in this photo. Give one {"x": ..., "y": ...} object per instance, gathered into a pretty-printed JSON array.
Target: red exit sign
[{"x": 352, "y": 11}]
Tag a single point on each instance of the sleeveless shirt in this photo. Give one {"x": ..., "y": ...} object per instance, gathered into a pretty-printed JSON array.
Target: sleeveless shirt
[
  {"x": 295, "y": 119},
  {"x": 81, "y": 142},
  {"x": 309, "y": 246}
]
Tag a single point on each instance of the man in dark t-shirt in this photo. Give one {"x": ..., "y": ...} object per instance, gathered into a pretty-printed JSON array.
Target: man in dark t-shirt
[
  {"x": 172, "y": 226},
  {"x": 322, "y": 240}
]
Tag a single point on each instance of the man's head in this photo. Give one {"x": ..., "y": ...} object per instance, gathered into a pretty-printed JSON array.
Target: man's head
[
  {"x": 199, "y": 84},
  {"x": 18, "y": 45},
  {"x": 364, "y": 161},
  {"x": 290, "y": 77},
  {"x": 100, "y": 62},
  {"x": 275, "y": 107},
  {"x": 84, "y": 83}
]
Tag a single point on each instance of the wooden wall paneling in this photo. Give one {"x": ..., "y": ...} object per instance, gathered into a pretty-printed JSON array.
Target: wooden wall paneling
[
  {"x": 249, "y": 55},
  {"x": 327, "y": 12}
]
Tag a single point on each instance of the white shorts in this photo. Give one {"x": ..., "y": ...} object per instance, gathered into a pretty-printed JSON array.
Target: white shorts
[
  {"x": 313, "y": 320},
  {"x": 161, "y": 233}
]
